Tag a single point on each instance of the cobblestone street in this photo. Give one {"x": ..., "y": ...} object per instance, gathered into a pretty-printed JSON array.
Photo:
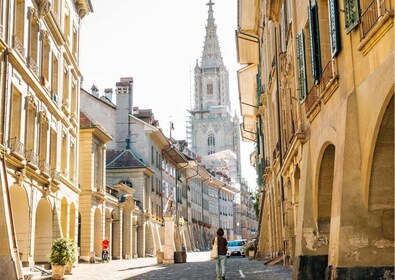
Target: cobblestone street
[{"x": 198, "y": 266}]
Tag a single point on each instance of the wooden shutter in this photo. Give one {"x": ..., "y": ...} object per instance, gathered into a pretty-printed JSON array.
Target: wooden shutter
[
  {"x": 351, "y": 13},
  {"x": 301, "y": 66},
  {"x": 334, "y": 27},
  {"x": 315, "y": 42}
]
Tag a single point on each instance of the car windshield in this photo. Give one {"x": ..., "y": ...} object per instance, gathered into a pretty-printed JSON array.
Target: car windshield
[{"x": 235, "y": 243}]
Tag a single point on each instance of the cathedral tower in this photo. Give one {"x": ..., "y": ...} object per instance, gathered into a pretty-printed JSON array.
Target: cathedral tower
[{"x": 211, "y": 127}]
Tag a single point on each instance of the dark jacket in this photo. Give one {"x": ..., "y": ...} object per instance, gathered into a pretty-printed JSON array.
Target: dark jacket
[{"x": 222, "y": 245}]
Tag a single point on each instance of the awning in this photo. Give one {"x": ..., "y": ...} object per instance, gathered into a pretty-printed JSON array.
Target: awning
[
  {"x": 247, "y": 135},
  {"x": 247, "y": 48},
  {"x": 248, "y": 90},
  {"x": 248, "y": 15},
  {"x": 248, "y": 100}
]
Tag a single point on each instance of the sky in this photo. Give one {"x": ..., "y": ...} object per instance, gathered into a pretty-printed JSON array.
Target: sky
[{"x": 157, "y": 43}]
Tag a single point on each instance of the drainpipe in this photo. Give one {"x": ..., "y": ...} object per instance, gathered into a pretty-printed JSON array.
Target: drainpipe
[{"x": 279, "y": 129}]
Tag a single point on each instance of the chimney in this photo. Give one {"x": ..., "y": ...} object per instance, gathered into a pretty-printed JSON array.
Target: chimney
[
  {"x": 124, "y": 108},
  {"x": 108, "y": 93},
  {"x": 95, "y": 91}
]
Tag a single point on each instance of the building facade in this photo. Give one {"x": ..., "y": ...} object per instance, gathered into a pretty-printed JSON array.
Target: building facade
[
  {"x": 321, "y": 112},
  {"x": 40, "y": 81}
]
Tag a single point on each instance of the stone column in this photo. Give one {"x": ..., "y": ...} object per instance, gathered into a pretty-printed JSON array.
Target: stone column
[{"x": 168, "y": 248}]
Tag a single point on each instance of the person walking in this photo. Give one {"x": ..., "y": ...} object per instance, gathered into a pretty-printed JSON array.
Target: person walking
[{"x": 220, "y": 262}]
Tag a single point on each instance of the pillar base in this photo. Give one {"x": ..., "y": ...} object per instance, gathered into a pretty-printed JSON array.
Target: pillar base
[
  {"x": 310, "y": 267},
  {"x": 361, "y": 272}
]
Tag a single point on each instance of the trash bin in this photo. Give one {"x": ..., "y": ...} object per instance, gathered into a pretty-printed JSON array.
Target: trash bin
[
  {"x": 180, "y": 257},
  {"x": 160, "y": 257}
]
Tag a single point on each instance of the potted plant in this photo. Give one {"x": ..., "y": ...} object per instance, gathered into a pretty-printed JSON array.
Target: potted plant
[
  {"x": 60, "y": 255},
  {"x": 250, "y": 251},
  {"x": 69, "y": 265}
]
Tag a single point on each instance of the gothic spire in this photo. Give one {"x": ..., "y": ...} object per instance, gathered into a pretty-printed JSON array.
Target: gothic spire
[{"x": 211, "y": 57}]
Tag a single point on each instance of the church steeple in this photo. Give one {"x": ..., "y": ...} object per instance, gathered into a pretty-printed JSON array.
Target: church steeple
[{"x": 211, "y": 57}]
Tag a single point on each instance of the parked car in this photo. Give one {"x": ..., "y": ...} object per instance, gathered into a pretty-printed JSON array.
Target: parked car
[{"x": 236, "y": 248}]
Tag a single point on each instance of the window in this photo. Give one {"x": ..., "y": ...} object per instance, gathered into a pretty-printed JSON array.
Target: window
[
  {"x": 315, "y": 42},
  {"x": 45, "y": 60},
  {"x": 19, "y": 22},
  {"x": 66, "y": 88},
  {"x": 33, "y": 40},
  {"x": 43, "y": 136},
  {"x": 54, "y": 78},
  {"x": 211, "y": 144},
  {"x": 351, "y": 14},
  {"x": 301, "y": 65},
  {"x": 75, "y": 42},
  {"x": 53, "y": 148},
  {"x": 334, "y": 27},
  {"x": 73, "y": 174},
  {"x": 30, "y": 124},
  {"x": 63, "y": 163},
  {"x": 67, "y": 25},
  {"x": 73, "y": 98},
  {"x": 16, "y": 114},
  {"x": 210, "y": 87}
]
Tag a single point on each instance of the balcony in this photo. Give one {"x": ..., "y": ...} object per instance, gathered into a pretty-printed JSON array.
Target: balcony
[
  {"x": 370, "y": 16},
  {"x": 32, "y": 158},
  {"x": 17, "y": 44},
  {"x": 55, "y": 175},
  {"x": 17, "y": 147},
  {"x": 45, "y": 168},
  {"x": 32, "y": 65}
]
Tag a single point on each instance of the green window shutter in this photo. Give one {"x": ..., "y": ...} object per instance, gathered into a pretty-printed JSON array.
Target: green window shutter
[
  {"x": 301, "y": 66},
  {"x": 315, "y": 42},
  {"x": 351, "y": 13},
  {"x": 258, "y": 139},
  {"x": 258, "y": 84},
  {"x": 259, "y": 168},
  {"x": 334, "y": 27}
]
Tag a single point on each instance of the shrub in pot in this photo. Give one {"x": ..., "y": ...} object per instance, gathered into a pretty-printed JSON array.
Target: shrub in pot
[
  {"x": 250, "y": 251},
  {"x": 60, "y": 255}
]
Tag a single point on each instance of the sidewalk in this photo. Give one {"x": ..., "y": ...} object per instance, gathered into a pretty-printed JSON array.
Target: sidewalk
[{"x": 118, "y": 269}]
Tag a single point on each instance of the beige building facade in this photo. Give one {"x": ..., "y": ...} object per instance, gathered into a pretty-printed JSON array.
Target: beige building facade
[
  {"x": 319, "y": 82},
  {"x": 39, "y": 96}
]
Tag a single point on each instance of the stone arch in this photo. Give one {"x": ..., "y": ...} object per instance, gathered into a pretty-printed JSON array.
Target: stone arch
[
  {"x": 63, "y": 217},
  {"x": 97, "y": 237},
  {"x": 325, "y": 190},
  {"x": 20, "y": 211},
  {"x": 381, "y": 184},
  {"x": 116, "y": 236},
  {"x": 72, "y": 221},
  {"x": 43, "y": 231}
]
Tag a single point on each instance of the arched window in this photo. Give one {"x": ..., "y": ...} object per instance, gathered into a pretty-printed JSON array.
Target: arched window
[
  {"x": 211, "y": 144},
  {"x": 210, "y": 87}
]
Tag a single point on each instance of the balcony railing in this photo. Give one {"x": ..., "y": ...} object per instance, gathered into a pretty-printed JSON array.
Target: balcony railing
[
  {"x": 370, "y": 16},
  {"x": 45, "y": 167},
  {"x": 328, "y": 73},
  {"x": 32, "y": 157},
  {"x": 17, "y": 44},
  {"x": 311, "y": 98},
  {"x": 32, "y": 65},
  {"x": 16, "y": 146},
  {"x": 1, "y": 31},
  {"x": 55, "y": 175},
  {"x": 112, "y": 192}
]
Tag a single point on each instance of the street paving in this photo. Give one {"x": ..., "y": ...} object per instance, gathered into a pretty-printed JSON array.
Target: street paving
[{"x": 198, "y": 266}]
